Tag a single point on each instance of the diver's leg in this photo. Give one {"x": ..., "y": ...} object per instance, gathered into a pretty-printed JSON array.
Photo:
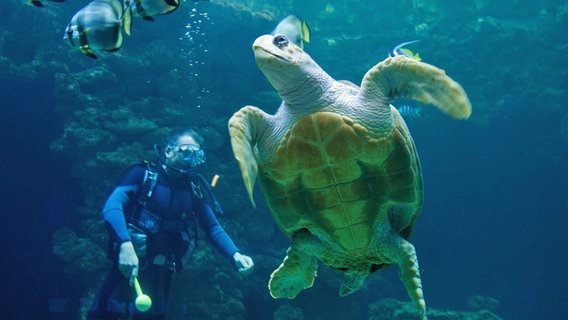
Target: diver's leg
[
  {"x": 156, "y": 282},
  {"x": 100, "y": 308}
]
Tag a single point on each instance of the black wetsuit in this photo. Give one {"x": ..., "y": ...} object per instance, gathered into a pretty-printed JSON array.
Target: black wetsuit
[{"x": 174, "y": 202}]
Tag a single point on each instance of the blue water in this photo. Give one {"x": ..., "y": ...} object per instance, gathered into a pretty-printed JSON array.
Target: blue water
[
  {"x": 494, "y": 217},
  {"x": 29, "y": 173}
]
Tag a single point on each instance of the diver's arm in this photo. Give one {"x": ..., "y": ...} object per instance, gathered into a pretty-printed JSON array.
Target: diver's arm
[
  {"x": 114, "y": 216},
  {"x": 216, "y": 234},
  {"x": 113, "y": 213},
  {"x": 219, "y": 237},
  {"x": 113, "y": 210}
]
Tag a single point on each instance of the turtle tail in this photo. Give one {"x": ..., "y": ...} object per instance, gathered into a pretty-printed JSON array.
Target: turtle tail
[{"x": 403, "y": 77}]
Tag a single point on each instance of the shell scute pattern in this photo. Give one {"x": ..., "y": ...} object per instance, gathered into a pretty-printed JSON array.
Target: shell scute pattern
[
  {"x": 346, "y": 172},
  {"x": 337, "y": 180},
  {"x": 329, "y": 194}
]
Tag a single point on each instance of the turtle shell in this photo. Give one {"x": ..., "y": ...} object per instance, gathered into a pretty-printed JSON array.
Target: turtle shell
[{"x": 332, "y": 177}]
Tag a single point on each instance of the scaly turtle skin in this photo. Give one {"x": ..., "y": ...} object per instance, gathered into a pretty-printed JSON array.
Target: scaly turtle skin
[{"x": 337, "y": 164}]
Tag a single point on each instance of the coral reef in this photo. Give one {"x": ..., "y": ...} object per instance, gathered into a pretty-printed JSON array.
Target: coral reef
[
  {"x": 479, "y": 303},
  {"x": 288, "y": 312},
  {"x": 391, "y": 309},
  {"x": 82, "y": 255}
]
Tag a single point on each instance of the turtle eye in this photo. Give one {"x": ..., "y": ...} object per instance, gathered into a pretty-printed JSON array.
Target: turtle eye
[{"x": 280, "y": 41}]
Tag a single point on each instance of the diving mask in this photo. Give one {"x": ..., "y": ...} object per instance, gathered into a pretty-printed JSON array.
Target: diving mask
[{"x": 190, "y": 153}]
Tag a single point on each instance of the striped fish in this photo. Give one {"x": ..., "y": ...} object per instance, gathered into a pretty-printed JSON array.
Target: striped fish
[{"x": 410, "y": 112}]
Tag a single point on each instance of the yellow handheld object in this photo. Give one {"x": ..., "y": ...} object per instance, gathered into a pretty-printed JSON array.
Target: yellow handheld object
[
  {"x": 214, "y": 181},
  {"x": 143, "y": 302}
]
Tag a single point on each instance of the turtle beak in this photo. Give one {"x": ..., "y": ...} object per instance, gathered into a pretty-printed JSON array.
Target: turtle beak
[{"x": 262, "y": 54}]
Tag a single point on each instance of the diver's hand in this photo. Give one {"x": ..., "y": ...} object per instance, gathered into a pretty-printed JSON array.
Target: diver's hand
[
  {"x": 128, "y": 261},
  {"x": 244, "y": 263}
]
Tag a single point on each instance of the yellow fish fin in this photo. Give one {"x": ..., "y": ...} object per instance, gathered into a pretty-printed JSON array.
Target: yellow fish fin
[
  {"x": 86, "y": 50},
  {"x": 127, "y": 21},
  {"x": 306, "y": 32},
  {"x": 408, "y": 53},
  {"x": 119, "y": 42}
]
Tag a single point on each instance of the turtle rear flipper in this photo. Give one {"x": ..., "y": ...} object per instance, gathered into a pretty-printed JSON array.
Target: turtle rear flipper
[
  {"x": 410, "y": 275},
  {"x": 296, "y": 273},
  {"x": 403, "y": 77}
]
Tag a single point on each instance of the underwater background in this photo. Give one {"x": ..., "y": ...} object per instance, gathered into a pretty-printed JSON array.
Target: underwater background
[{"x": 491, "y": 237}]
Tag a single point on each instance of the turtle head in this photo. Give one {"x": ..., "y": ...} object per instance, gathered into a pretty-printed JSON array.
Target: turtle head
[
  {"x": 278, "y": 50},
  {"x": 288, "y": 68}
]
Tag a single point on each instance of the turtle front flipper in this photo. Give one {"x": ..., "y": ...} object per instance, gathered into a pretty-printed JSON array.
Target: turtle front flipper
[
  {"x": 403, "y": 77},
  {"x": 244, "y": 128},
  {"x": 296, "y": 273}
]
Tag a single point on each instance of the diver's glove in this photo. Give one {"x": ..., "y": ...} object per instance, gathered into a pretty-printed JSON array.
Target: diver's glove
[
  {"x": 128, "y": 261},
  {"x": 243, "y": 263}
]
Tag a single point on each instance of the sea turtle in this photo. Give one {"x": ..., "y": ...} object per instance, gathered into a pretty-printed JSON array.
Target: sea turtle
[{"x": 337, "y": 165}]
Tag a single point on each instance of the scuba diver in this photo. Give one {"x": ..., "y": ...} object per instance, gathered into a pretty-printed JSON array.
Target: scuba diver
[{"x": 151, "y": 218}]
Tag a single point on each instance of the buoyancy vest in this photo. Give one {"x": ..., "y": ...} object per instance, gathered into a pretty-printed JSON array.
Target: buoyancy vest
[{"x": 172, "y": 241}]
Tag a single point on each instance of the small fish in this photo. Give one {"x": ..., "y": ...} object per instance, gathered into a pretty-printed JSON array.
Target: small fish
[
  {"x": 147, "y": 9},
  {"x": 295, "y": 29},
  {"x": 98, "y": 26},
  {"x": 410, "y": 112},
  {"x": 40, "y": 4},
  {"x": 401, "y": 51}
]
